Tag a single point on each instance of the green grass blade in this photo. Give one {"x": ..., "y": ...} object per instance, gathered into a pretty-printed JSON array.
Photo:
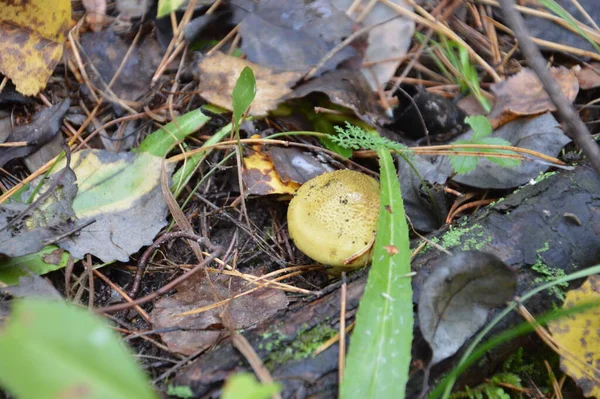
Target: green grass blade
[
  {"x": 561, "y": 12},
  {"x": 243, "y": 95},
  {"x": 379, "y": 357},
  {"x": 162, "y": 140},
  {"x": 57, "y": 350}
]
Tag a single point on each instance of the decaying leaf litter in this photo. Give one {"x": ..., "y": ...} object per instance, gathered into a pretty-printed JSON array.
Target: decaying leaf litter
[{"x": 124, "y": 139}]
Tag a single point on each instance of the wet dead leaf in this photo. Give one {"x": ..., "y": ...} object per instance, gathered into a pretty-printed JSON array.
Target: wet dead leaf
[
  {"x": 32, "y": 34},
  {"x": 589, "y": 76},
  {"x": 204, "y": 329},
  {"x": 260, "y": 177},
  {"x": 348, "y": 89},
  {"x": 33, "y": 286},
  {"x": 44, "y": 125},
  {"x": 539, "y": 133},
  {"x": 104, "y": 52},
  {"x": 524, "y": 95},
  {"x": 294, "y": 165},
  {"x": 457, "y": 297},
  {"x": 578, "y": 338},
  {"x": 219, "y": 73},
  {"x": 26, "y": 229},
  {"x": 387, "y": 43},
  {"x": 289, "y": 35},
  {"x": 121, "y": 193}
]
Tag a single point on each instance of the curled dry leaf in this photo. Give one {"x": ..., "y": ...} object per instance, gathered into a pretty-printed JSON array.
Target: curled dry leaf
[
  {"x": 589, "y": 76},
  {"x": 219, "y": 73},
  {"x": 457, "y": 297},
  {"x": 578, "y": 338},
  {"x": 32, "y": 34},
  {"x": 524, "y": 95},
  {"x": 202, "y": 330}
]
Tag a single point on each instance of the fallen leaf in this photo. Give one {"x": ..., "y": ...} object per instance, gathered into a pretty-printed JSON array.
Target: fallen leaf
[
  {"x": 552, "y": 32},
  {"x": 26, "y": 229},
  {"x": 104, "y": 53},
  {"x": 121, "y": 193},
  {"x": 261, "y": 178},
  {"x": 539, "y": 133},
  {"x": 219, "y": 74},
  {"x": 245, "y": 385},
  {"x": 457, "y": 297},
  {"x": 348, "y": 89},
  {"x": 386, "y": 43},
  {"x": 204, "y": 329},
  {"x": 295, "y": 35},
  {"x": 44, "y": 125},
  {"x": 32, "y": 34},
  {"x": 589, "y": 76},
  {"x": 524, "y": 95},
  {"x": 33, "y": 286},
  {"x": 578, "y": 339},
  {"x": 294, "y": 165}
]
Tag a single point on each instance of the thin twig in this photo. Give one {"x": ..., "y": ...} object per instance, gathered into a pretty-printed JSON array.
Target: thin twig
[{"x": 575, "y": 126}]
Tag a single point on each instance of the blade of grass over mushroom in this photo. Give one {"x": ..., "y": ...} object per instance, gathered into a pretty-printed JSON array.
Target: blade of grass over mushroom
[
  {"x": 379, "y": 357},
  {"x": 162, "y": 140}
]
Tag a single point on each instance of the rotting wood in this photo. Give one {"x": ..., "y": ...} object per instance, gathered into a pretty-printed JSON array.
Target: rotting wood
[{"x": 554, "y": 224}]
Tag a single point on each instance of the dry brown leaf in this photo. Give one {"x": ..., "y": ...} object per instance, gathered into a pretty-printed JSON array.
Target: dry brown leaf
[
  {"x": 32, "y": 34},
  {"x": 204, "y": 329},
  {"x": 261, "y": 178},
  {"x": 524, "y": 95},
  {"x": 589, "y": 76},
  {"x": 219, "y": 73}
]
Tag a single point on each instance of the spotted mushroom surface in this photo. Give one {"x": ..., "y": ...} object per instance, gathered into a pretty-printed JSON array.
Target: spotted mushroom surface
[{"x": 333, "y": 218}]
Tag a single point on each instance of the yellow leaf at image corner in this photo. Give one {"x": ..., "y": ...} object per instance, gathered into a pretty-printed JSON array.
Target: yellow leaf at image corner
[
  {"x": 261, "y": 178},
  {"x": 32, "y": 34},
  {"x": 578, "y": 336}
]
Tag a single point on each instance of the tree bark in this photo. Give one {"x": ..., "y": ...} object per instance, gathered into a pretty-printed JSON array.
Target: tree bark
[{"x": 554, "y": 224}]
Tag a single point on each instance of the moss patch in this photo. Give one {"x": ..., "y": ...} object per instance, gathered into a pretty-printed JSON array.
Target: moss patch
[
  {"x": 305, "y": 344},
  {"x": 548, "y": 273},
  {"x": 455, "y": 238}
]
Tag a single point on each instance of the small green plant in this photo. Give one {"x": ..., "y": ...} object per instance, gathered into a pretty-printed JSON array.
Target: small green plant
[
  {"x": 180, "y": 391},
  {"x": 481, "y": 130},
  {"x": 492, "y": 389},
  {"x": 244, "y": 385},
  {"x": 453, "y": 60}
]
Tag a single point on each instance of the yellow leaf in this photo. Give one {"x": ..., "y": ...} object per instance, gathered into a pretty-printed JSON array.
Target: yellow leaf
[
  {"x": 32, "y": 34},
  {"x": 578, "y": 338},
  {"x": 261, "y": 178}
]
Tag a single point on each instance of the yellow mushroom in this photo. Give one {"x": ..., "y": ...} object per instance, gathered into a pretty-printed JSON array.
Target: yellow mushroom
[{"x": 333, "y": 218}]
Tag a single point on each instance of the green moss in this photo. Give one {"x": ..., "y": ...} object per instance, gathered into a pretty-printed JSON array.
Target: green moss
[
  {"x": 548, "y": 273},
  {"x": 455, "y": 238},
  {"x": 305, "y": 344},
  {"x": 544, "y": 176}
]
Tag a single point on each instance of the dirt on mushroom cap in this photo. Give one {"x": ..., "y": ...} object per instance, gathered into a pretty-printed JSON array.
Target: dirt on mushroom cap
[{"x": 334, "y": 217}]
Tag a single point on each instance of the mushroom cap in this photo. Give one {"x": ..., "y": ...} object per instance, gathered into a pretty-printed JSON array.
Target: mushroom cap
[{"x": 333, "y": 217}]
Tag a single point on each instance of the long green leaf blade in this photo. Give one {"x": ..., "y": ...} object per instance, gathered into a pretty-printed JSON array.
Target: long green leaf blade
[
  {"x": 55, "y": 350},
  {"x": 243, "y": 95},
  {"x": 379, "y": 357}
]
